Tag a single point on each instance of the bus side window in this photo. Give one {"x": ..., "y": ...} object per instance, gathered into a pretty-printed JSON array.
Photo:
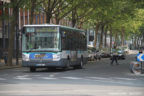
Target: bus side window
[
  {"x": 63, "y": 43},
  {"x": 64, "y": 40},
  {"x": 63, "y": 33}
]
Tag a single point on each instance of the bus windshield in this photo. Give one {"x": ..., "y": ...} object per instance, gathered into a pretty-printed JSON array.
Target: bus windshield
[{"x": 41, "y": 39}]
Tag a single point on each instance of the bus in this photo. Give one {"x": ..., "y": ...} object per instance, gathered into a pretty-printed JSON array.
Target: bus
[{"x": 53, "y": 46}]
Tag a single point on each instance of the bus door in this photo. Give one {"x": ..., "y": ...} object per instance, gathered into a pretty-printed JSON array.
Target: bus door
[{"x": 73, "y": 55}]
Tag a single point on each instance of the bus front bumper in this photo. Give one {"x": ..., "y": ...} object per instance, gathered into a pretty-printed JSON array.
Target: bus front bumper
[{"x": 44, "y": 63}]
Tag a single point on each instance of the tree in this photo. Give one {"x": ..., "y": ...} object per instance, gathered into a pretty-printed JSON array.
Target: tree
[
  {"x": 33, "y": 5},
  {"x": 15, "y": 4},
  {"x": 52, "y": 7}
]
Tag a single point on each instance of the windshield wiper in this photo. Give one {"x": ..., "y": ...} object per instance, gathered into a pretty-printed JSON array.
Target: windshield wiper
[{"x": 30, "y": 50}]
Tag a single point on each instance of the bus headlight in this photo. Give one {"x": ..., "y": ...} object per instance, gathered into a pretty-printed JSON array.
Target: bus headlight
[
  {"x": 56, "y": 57},
  {"x": 25, "y": 57}
]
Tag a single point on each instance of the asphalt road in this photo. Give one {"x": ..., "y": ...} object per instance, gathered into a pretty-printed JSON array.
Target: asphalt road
[{"x": 98, "y": 78}]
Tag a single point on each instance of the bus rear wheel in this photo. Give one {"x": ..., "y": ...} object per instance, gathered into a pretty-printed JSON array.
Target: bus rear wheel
[
  {"x": 80, "y": 66},
  {"x": 32, "y": 69}
]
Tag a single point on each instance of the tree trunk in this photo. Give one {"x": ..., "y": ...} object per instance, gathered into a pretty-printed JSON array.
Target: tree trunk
[
  {"x": 57, "y": 21},
  {"x": 31, "y": 16},
  {"x": 132, "y": 46},
  {"x": 142, "y": 41},
  {"x": 116, "y": 39},
  {"x": 101, "y": 37},
  {"x": 57, "y": 15},
  {"x": 14, "y": 22},
  {"x": 80, "y": 24},
  {"x": 110, "y": 38},
  {"x": 135, "y": 42},
  {"x": 122, "y": 36},
  {"x": 96, "y": 34},
  {"x": 74, "y": 17},
  {"x": 3, "y": 26},
  {"x": 17, "y": 45},
  {"x": 105, "y": 43},
  {"x": 32, "y": 11},
  {"x": 48, "y": 17}
]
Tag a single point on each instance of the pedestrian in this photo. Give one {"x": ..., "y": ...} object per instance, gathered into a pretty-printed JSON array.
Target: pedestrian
[{"x": 114, "y": 56}]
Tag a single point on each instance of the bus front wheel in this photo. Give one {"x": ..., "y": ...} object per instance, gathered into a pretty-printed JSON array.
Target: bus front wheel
[{"x": 32, "y": 69}]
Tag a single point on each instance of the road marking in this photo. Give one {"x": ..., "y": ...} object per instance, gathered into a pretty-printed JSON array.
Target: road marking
[
  {"x": 52, "y": 75},
  {"x": 101, "y": 78},
  {"x": 47, "y": 78},
  {"x": 136, "y": 74},
  {"x": 124, "y": 78},
  {"x": 36, "y": 75},
  {"x": 2, "y": 79},
  {"x": 76, "y": 92},
  {"x": 24, "y": 77},
  {"x": 74, "y": 78}
]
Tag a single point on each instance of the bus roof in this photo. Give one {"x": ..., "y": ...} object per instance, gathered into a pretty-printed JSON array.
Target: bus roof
[
  {"x": 41, "y": 25},
  {"x": 30, "y": 25}
]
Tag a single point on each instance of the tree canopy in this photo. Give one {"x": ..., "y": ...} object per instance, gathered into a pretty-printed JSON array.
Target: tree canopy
[{"x": 123, "y": 18}]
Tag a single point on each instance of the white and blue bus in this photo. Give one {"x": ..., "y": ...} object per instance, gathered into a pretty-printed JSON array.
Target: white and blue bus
[{"x": 52, "y": 46}]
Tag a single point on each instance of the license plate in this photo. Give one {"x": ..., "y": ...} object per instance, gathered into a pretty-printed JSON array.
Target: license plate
[{"x": 40, "y": 64}]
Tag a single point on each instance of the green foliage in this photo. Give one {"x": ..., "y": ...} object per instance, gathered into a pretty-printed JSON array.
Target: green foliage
[{"x": 116, "y": 13}]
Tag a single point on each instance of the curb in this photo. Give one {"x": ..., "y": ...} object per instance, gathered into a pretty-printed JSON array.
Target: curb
[{"x": 10, "y": 67}]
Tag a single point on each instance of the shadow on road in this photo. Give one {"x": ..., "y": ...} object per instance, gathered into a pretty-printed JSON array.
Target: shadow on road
[{"x": 52, "y": 70}]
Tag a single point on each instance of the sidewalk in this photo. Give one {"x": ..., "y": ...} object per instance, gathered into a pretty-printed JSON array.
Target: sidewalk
[
  {"x": 4, "y": 66},
  {"x": 133, "y": 51}
]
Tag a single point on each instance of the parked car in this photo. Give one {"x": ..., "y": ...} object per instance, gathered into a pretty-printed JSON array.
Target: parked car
[
  {"x": 121, "y": 54},
  {"x": 126, "y": 50},
  {"x": 98, "y": 55},
  {"x": 105, "y": 54},
  {"x": 93, "y": 54}
]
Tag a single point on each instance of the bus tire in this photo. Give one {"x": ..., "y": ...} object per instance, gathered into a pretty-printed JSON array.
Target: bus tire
[
  {"x": 81, "y": 64},
  {"x": 32, "y": 69},
  {"x": 68, "y": 64}
]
